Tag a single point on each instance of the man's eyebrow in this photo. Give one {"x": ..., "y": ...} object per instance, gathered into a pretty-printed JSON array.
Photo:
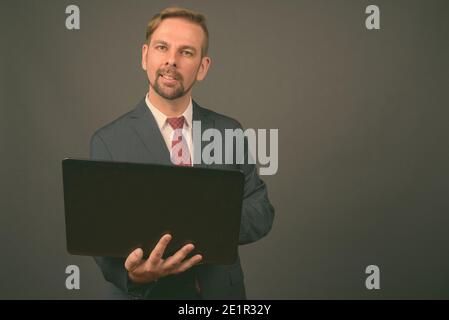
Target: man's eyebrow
[
  {"x": 188, "y": 47},
  {"x": 160, "y": 42}
]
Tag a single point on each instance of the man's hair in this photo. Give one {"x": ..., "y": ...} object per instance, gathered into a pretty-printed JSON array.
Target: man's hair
[{"x": 177, "y": 12}]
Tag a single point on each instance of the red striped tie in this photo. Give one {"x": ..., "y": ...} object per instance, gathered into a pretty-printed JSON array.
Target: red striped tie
[{"x": 179, "y": 154}]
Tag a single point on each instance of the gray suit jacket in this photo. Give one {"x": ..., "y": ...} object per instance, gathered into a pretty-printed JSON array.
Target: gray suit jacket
[{"x": 135, "y": 137}]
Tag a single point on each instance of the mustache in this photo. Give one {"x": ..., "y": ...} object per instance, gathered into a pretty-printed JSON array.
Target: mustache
[{"x": 169, "y": 72}]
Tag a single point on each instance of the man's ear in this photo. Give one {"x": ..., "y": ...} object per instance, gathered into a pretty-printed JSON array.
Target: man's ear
[
  {"x": 204, "y": 67},
  {"x": 144, "y": 56}
]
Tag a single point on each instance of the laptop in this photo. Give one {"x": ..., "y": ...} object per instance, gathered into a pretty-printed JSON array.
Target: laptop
[{"x": 112, "y": 208}]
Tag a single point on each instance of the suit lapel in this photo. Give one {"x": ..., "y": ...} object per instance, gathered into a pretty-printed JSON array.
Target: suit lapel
[
  {"x": 147, "y": 129},
  {"x": 199, "y": 114}
]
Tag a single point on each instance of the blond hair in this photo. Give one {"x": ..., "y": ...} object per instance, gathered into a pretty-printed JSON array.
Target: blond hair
[{"x": 177, "y": 12}]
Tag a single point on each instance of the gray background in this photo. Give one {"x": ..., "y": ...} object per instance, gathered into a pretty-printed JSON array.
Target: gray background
[{"x": 363, "y": 135}]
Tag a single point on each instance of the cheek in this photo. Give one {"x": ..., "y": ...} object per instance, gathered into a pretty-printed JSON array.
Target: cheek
[
  {"x": 151, "y": 70},
  {"x": 193, "y": 71},
  {"x": 151, "y": 62}
]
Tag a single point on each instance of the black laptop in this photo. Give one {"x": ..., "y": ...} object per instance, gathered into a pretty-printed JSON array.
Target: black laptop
[{"x": 112, "y": 208}]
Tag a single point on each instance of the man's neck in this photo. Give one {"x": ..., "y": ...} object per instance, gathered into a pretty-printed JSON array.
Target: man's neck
[{"x": 171, "y": 108}]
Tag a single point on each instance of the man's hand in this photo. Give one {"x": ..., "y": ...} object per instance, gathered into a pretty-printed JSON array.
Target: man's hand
[{"x": 145, "y": 271}]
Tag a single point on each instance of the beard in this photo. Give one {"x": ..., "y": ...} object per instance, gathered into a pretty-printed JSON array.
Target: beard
[{"x": 170, "y": 93}]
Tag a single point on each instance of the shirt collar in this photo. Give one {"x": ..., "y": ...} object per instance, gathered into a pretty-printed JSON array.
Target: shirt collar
[{"x": 161, "y": 118}]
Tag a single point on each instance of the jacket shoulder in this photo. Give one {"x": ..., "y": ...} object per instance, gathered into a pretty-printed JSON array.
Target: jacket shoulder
[
  {"x": 221, "y": 120},
  {"x": 116, "y": 126}
]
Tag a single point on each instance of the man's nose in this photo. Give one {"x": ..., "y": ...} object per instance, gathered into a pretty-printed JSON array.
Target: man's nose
[{"x": 171, "y": 58}]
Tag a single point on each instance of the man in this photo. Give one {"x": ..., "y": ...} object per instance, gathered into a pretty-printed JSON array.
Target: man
[{"x": 174, "y": 58}]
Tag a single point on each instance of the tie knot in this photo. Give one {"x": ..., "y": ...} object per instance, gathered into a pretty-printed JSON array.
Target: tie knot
[{"x": 176, "y": 123}]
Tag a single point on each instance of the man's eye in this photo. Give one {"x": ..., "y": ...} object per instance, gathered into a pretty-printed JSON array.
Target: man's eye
[
  {"x": 163, "y": 48},
  {"x": 187, "y": 53}
]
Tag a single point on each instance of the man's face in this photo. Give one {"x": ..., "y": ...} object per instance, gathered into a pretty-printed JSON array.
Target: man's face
[{"x": 172, "y": 59}]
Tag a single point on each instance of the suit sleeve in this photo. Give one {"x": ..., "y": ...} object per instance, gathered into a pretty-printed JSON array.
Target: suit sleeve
[
  {"x": 257, "y": 211},
  {"x": 113, "y": 269}
]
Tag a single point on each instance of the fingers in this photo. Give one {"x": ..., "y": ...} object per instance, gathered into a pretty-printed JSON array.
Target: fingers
[
  {"x": 189, "y": 263},
  {"x": 159, "y": 249},
  {"x": 134, "y": 259},
  {"x": 176, "y": 259}
]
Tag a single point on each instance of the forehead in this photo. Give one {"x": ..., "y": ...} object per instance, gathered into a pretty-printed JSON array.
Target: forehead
[{"x": 180, "y": 32}]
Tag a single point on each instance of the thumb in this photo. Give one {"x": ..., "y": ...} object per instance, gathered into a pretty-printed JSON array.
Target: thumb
[{"x": 134, "y": 259}]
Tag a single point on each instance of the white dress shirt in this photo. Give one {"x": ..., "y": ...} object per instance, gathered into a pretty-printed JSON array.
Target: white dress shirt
[{"x": 167, "y": 131}]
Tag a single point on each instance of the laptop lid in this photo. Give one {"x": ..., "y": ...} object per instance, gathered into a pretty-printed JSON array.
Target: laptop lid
[{"x": 112, "y": 208}]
